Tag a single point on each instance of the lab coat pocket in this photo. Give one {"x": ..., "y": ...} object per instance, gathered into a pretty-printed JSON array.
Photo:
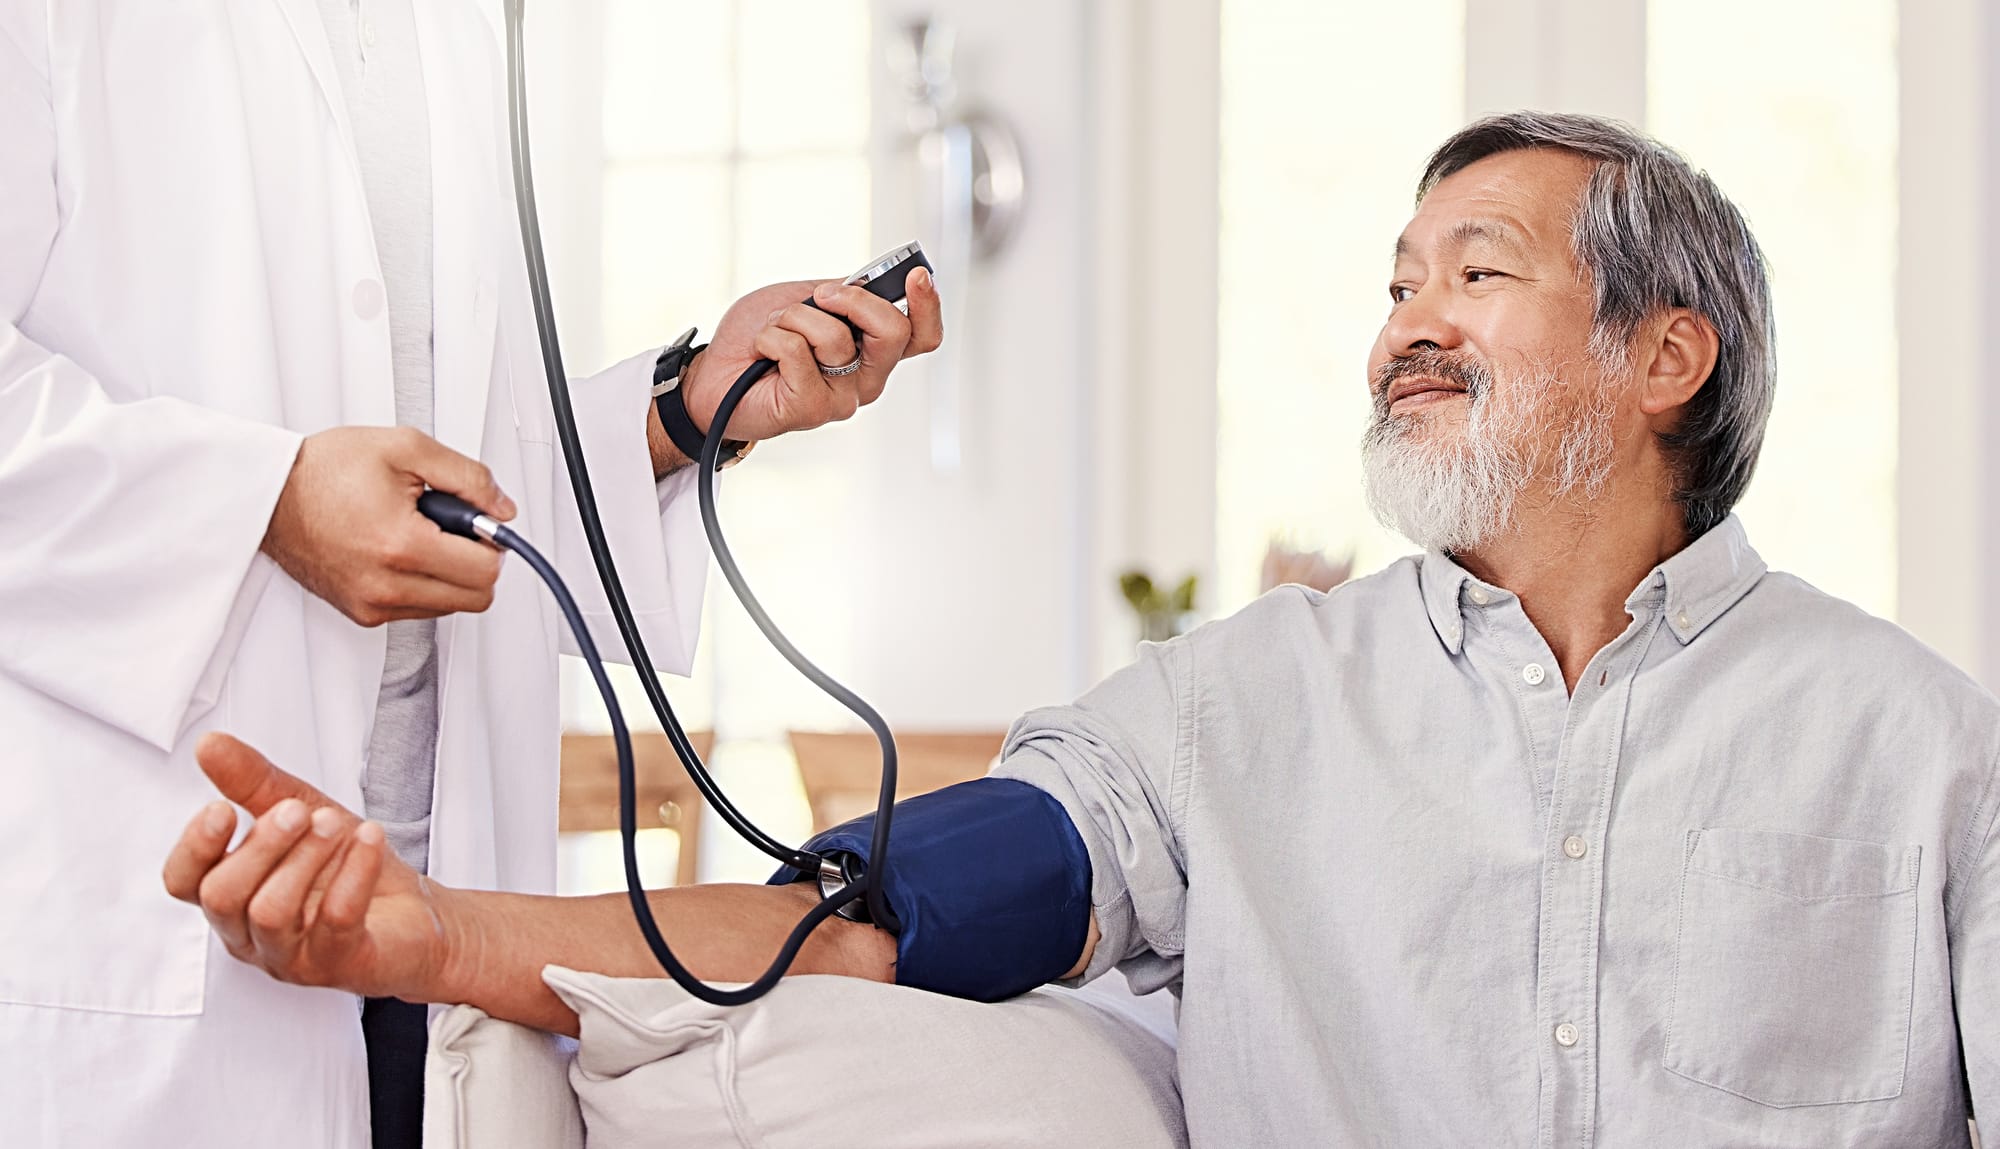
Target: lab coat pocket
[{"x": 1793, "y": 967}]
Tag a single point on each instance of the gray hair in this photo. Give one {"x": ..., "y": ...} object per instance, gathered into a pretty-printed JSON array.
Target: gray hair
[{"x": 1654, "y": 234}]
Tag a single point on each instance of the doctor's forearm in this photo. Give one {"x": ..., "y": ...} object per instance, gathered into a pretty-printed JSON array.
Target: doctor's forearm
[
  {"x": 496, "y": 944},
  {"x": 667, "y": 458}
]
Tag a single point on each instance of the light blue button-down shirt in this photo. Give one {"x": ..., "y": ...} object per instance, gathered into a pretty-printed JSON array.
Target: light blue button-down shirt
[{"x": 1742, "y": 888}]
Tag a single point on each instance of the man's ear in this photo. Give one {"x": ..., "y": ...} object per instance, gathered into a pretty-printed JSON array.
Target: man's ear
[{"x": 1684, "y": 353}]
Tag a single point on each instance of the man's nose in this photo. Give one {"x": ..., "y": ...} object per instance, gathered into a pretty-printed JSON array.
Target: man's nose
[{"x": 1423, "y": 321}]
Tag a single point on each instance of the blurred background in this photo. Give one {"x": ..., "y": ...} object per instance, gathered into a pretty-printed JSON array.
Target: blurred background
[{"x": 1162, "y": 231}]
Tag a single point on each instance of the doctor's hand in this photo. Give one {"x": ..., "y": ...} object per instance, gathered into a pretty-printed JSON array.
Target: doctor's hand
[
  {"x": 773, "y": 323},
  {"x": 347, "y": 528},
  {"x": 313, "y": 895}
]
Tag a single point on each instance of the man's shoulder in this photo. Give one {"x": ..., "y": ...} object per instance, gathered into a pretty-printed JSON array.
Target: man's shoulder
[
  {"x": 1388, "y": 600},
  {"x": 1824, "y": 631}
]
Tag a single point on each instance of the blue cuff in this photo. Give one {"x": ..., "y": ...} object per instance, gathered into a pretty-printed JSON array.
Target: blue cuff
[{"x": 990, "y": 881}]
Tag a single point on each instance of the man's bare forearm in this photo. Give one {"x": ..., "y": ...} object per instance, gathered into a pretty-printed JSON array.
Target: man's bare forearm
[{"x": 495, "y": 945}]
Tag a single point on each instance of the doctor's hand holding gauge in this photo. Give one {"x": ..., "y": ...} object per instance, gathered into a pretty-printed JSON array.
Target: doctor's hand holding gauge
[
  {"x": 261, "y": 285},
  {"x": 345, "y": 525}
]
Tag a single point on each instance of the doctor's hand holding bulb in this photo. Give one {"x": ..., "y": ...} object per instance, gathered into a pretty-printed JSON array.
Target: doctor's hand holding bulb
[{"x": 346, "y": 525}]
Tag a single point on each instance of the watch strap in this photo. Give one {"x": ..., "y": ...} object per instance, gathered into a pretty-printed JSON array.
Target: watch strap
[{"x": 670, "y": 399}]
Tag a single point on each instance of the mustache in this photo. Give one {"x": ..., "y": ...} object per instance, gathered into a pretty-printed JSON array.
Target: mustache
[{"x": 1468, "y": 371}]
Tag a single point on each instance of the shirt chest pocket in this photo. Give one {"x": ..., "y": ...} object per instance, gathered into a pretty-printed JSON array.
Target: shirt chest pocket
[{"x": 1793, "y": 968}]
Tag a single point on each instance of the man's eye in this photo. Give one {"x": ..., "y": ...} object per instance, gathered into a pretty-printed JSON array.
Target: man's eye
[
  {"x": 1478, "y": 274},
  {"x": 1401, "y": 292}
]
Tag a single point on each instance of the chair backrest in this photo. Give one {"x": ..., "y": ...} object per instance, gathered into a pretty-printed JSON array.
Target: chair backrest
[
  {"x": 842, "y": 773},
  {"x": 667, "y": 798}
]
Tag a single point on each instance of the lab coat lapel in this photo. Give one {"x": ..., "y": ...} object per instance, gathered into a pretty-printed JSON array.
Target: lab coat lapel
[
  {"x": 466, "y": 181},
  {"x": 471, "y": 230},
  {"x": 309, "y": 31},
  {"x": 329, "y": 233}
]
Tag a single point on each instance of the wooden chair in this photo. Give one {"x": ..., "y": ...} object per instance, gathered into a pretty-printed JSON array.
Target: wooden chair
[
  {"x": 667, "y": 798},
  {"x": 842, "y": 773}
]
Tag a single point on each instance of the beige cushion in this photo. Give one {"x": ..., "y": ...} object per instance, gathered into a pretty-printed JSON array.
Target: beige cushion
[
  {"x": 823, "y": 1062},
  {"x": 496, "y": 1085}
]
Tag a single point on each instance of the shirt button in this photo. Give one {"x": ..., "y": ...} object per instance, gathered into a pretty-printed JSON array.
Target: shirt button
[
  {"x": 368, "y": 299},
  {"x": 1575, "y": 847},
  {"x": 368, "y": 33},
  {"x": 1479, "y": 596},
  {"x": 1681, "y": 620},
  {"x": 1532, "y": 674},
  {"x": 1566, "y": 1035}
]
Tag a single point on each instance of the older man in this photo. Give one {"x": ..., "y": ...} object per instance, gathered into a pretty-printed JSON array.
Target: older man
[{"x": 1582, "y": 828}]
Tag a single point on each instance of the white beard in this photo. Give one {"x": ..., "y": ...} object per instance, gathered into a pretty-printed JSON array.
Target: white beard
[{"x": 1460, "y": 495}]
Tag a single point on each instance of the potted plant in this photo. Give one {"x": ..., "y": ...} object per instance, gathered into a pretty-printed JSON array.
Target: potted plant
[{"x": 1163, "y": 614}]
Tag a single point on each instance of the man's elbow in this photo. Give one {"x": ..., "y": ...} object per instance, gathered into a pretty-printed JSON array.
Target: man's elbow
[{"x": 1089, "y": 950}]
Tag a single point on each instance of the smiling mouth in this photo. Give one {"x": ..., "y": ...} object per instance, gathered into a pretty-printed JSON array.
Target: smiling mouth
[{"x": 1421, "y": 391}]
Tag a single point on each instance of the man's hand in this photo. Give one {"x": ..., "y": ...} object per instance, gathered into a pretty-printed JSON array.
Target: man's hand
[
  {"x": 773, "y": 323},
  {"x": 313, "y": 895},
  {"x": 347, "y": 528}
]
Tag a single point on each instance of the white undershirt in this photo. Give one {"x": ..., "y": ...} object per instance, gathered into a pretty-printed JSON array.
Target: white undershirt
[{"x": 375, "y": 50}]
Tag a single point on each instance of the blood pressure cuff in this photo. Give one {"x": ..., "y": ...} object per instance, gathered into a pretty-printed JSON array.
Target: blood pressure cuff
[{"x": 991, "y": 884}]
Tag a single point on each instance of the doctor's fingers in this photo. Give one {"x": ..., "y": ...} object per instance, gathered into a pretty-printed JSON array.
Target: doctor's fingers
[
  {"x": 227, "y": 888},
  {"x": 420, "y": 596},
  {"x": 832, "y": 341},
  {"x": 447, "y": 470},
  {"x": 200, "y": 847},
  {"x": 811, "y": 399},
  {"x": 423, "y": 549},
  {"x": 887, "y": 333}
]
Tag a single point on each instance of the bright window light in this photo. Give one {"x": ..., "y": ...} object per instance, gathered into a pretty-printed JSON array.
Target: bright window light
[
  {"x": 1328, "y": 111},
  {"x": 1796, "y": 119}
]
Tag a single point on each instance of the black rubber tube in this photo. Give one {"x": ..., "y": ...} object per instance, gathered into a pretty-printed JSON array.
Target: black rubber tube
[
  {"x": 579, "y": 473},
  {"x": 628, "y": 815},
  {"x": 868, "y": 886}
]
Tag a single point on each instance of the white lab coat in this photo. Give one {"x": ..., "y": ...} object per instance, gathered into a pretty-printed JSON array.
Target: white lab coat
[{"x": 188, "y": 284}]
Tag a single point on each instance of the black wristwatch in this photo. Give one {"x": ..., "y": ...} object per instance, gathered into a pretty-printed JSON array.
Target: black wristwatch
[{"x": 668, "y": 371}]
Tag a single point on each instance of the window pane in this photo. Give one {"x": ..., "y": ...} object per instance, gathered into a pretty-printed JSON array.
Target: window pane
[
  {"x": 801, "y": 219},
  {"x": 738, "y": 165},
  {"x": 1796, "y": 119},
  {"x": 1325, "y": 127},
  {"x": 667, "y": 78},
  {"x": 666, "y": 251},
  {"x": 594, "y": 862},
  {"x": 803, "y": 83}
]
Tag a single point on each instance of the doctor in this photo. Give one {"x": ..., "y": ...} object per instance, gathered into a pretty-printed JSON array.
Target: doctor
[{"x": 260, "y": 283}]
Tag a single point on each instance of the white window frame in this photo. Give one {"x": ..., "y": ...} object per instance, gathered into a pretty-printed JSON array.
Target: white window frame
[{"x": 1948, "y": 310}]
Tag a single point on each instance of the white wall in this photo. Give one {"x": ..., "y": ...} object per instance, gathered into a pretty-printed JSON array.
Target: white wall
[
  {"x": 1090, "y": 359},
  {"x": 1556, "y": 55},
  {"x": 973, "y": 585},
  {"x": 1154, "y": 122},
  {"x": 1948, "y": 289},
  {"x": 565, "y": 121}
]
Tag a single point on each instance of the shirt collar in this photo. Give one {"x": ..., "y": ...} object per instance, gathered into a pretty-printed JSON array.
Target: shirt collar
[
  {"x": 1704, "y": 580},
  {"x": 1442, "y": 581},
  {"x": 1695, "y": 587}
]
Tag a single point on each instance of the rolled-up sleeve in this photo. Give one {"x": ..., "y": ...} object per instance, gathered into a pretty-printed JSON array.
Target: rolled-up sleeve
[
  {"x": 1117, "y": 761},
  {"x": 653, "y": 526}
]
